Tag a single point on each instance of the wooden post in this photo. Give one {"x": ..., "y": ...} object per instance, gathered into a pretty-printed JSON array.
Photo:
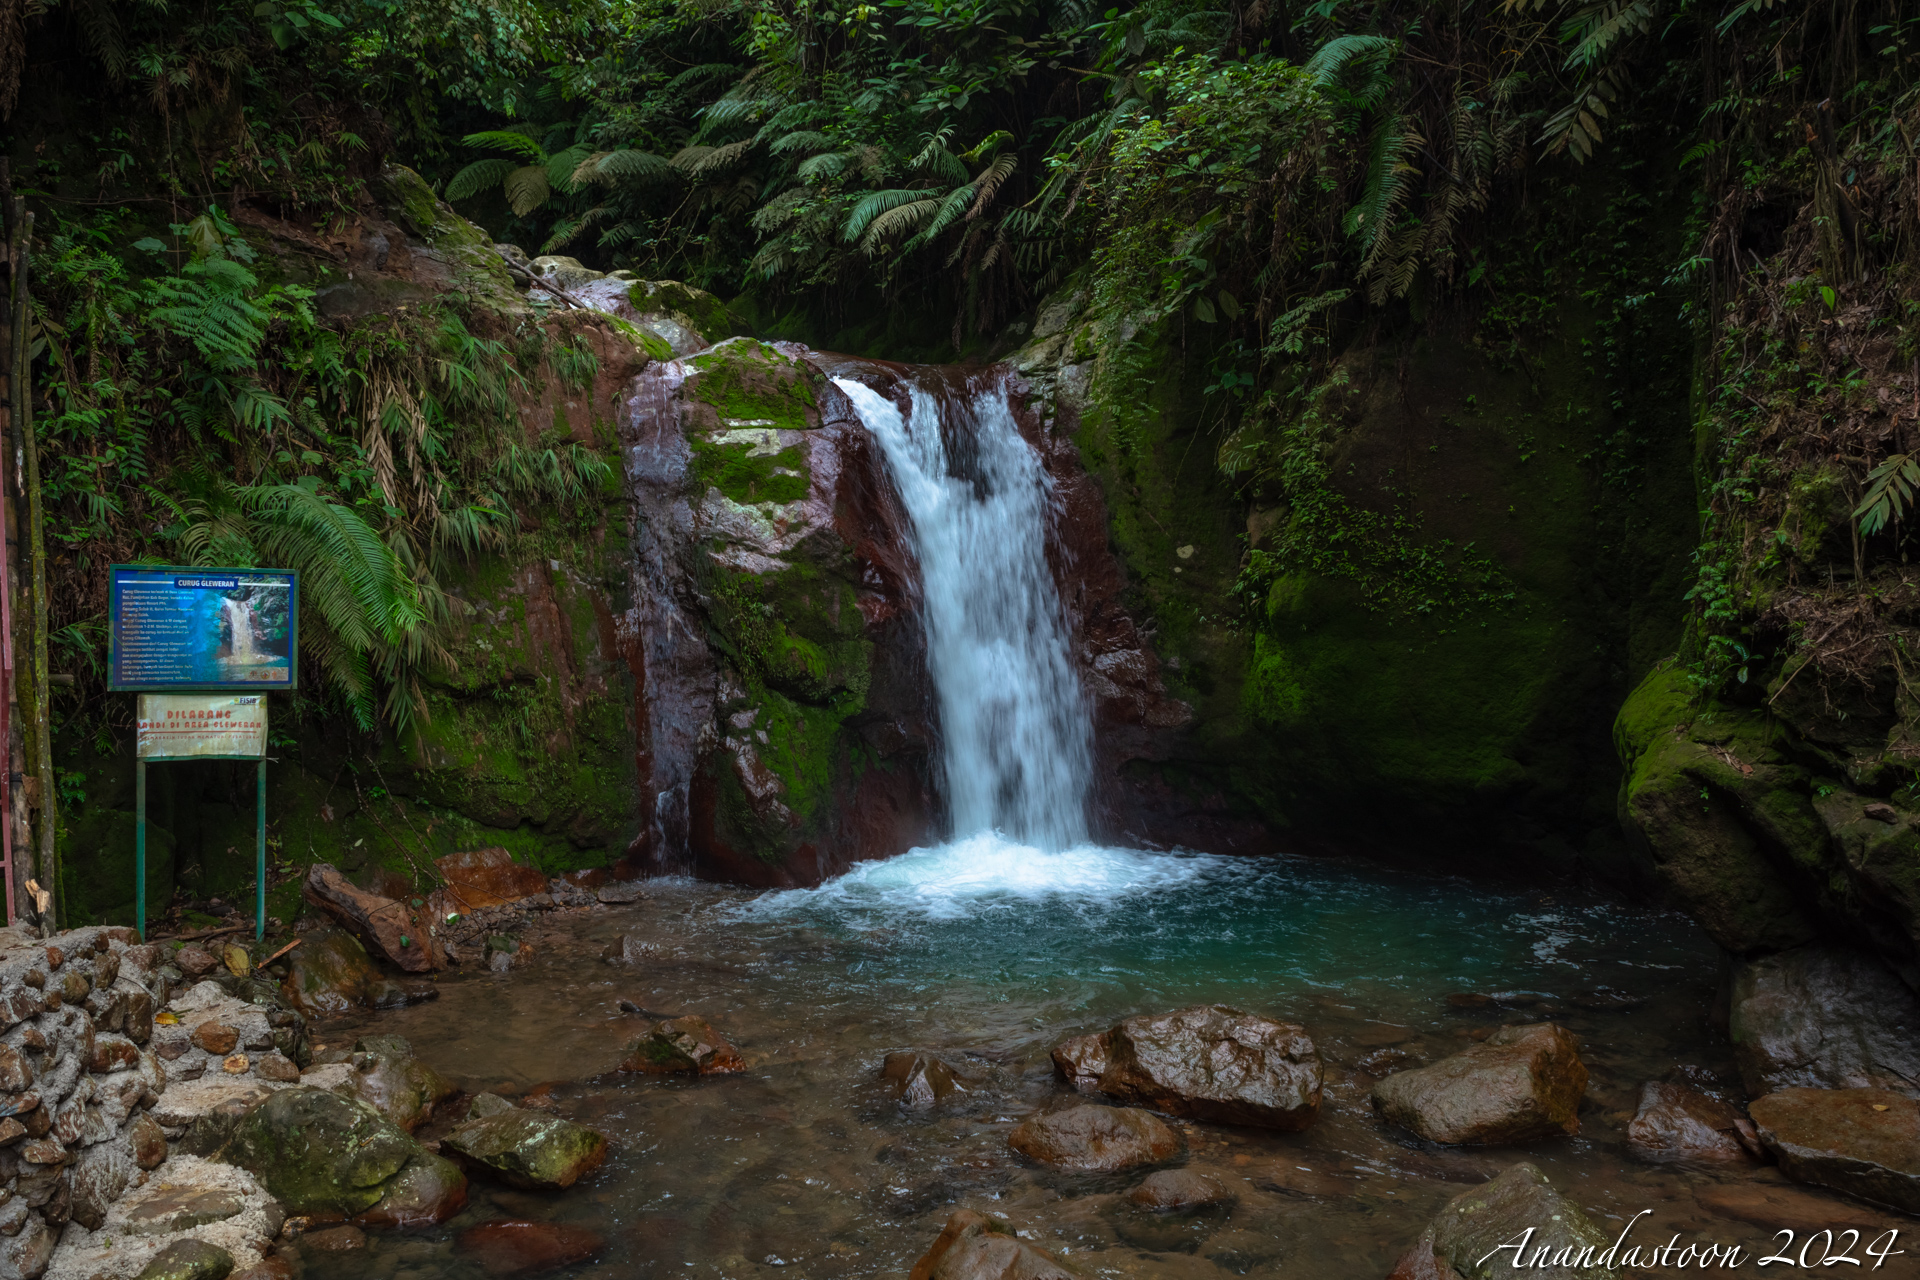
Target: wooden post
[
  {"x": 260, "y": 847},
  {"x": 34, "y": 709}
]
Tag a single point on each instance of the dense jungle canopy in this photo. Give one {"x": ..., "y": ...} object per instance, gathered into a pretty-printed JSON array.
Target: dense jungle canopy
[{"x": 1258, "y": 189}]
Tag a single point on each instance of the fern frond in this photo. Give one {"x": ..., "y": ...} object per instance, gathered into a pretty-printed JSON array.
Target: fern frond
[
  {"x": 871, "y": 206},
  {"x": 516, "y": 141},
  {"x": 896, "y": 221},
  {"x": 527, "y": 189},
  {"x": 613, "y": 166},
  {"x": 479, "y": 176}
]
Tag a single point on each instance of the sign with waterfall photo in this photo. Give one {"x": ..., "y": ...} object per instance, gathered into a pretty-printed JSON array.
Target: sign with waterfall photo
[{"x": 173, "y": 627}]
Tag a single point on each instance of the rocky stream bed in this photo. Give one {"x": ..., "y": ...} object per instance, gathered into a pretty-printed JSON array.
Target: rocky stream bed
[{"x": 1257, "y": 1068}]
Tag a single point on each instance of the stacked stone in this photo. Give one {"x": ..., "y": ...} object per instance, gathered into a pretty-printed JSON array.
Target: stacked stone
[
  {"x": 76, "y": 1082},
  {"x": 219, "y": 1034}
]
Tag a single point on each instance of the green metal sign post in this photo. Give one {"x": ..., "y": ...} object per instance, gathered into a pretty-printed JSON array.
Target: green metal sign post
[
  {"x": 202, "y": 646},
  {"x": 140, "y": 848}
]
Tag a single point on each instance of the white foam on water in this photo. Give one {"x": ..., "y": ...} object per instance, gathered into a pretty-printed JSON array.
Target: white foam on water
[{"x": 986, "y": 871}]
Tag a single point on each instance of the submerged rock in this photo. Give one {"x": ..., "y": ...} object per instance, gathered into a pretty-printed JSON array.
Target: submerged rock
[
  {"x": 1523, "y": 1084},
  {"x": 189, "y": 1260},
  {"x": 1095, "y": 1139},
  {"x": 1824, "y": 1018},
  {"x": 685, "y": 1045},
  {"x": 1864, "y": 1142},
  {"x": 1209, "y": 1062},
  {"x": 527, "y": 1248},
  {"x": 975, "y": 1247},
  {"x": 921, "y": 1080},
  {"x": 1679, "y": 1125},
  {"x": 521, "y": 1149},
  {"x": 1517, "y": 1208},
  {"x": 1178, "y": 1189}
]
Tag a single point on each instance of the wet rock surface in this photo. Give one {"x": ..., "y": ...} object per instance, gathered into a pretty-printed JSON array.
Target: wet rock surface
[
  {"x": 392, "y": 928},
  {"x": 1095, "y": 1139},
  {"x": 482, "y": 878},
  {"x": 527, "y": 1248},
  {"x": 1675, "y": 1124},
  {"x": 189, "y": 1260},
  {"x": 1863, "y": 1142},
  {"x": 1825, "y": 1018},
  {"x": 330, "y": 974},
  {"x": 1463, "y": 1242},
  {"x": 397, "y": 1084},
  {"x": 321, "y": 1152},
  {"x": 975, "y": 1247},
  {"x": 523, "y": 1149},
  {"x": 1178, "y": 1189},
  {"x": 1521, "y": 1085},
  {"x": 688, "y": 1045},
  {"x": 1210, "y": 1062},
  {"x": 921, "y": 1081}
]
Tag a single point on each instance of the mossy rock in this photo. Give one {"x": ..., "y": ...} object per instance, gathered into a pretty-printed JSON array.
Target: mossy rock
[
  {"x": 697, "y": 309},
  {"x": 320, "y": 1153},
  {"x": 743, "y": 383},
  {"x": 1726, "y": 817},
  {"x": 522, "y": 1149}
]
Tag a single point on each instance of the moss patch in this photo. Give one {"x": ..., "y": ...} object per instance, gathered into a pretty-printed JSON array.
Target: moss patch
[
  {"x": 749, "y": 466},
  {"x": 750, "y": 384}
]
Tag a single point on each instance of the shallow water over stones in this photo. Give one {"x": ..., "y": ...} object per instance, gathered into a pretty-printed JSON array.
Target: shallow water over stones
[{"x": 805, "y": 1164}]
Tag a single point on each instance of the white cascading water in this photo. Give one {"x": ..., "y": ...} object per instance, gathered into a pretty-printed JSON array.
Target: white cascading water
[
  {"x": 240, "y": 622},
  {"x": 1015, "y": 728},
  {"x": 1015, "y": 732}
]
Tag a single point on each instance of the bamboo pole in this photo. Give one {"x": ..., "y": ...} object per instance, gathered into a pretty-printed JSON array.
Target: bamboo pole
[{"x": 34, "y": 705}]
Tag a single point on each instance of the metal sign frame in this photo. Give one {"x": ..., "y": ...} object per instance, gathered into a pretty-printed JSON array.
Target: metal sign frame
[
  {"x": 253, "y": 687},
  {"x": 116, "y": 573}
]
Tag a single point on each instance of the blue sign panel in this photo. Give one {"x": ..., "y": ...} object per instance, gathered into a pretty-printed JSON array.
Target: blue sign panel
[{"x": 186, "y": 628}]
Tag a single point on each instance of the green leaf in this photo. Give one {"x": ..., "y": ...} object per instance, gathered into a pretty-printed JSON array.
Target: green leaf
[{"x": 1828, "y": 296}]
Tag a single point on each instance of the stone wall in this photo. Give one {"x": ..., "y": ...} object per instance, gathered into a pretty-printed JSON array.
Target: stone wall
[{"x": 78, "y": 1079}]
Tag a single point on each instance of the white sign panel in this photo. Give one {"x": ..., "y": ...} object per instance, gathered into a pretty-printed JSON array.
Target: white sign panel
[{"x": 188, "y": 726}]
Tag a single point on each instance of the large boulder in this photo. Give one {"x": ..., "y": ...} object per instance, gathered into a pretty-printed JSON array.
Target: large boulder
[
  {"x": 782, "y": 666},
  {"x": 682, "y": 1046},
  {"x": 973, "y": 1246},
  {"x": 1521, "y": 1085},
  {"x": 398, "y": 1085},
  {"x": 328, "y": 1155},
  {"x": 1678, "y": 1125},
  {"x": 1095, "y": 1139},
  {"x": 1514, "y": 1225},
  {"x": 1824, "y": 1018},
  {"x": 1864, "y": 1142},
  {"x": 481, "y": 878},
  {"x": 522, "y": 1149},
  {"x": 1209, "y": 1062}
]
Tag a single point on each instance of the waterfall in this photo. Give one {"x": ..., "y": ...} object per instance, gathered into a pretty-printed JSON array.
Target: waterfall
[
  {"x": 1016, "y": 753},
  {"x": 240, "y": 622}
]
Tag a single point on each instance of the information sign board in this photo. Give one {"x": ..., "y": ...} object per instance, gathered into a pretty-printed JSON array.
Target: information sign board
[
  {"x": 202, "y": 726},
  {"x": 189, "y": 628}
]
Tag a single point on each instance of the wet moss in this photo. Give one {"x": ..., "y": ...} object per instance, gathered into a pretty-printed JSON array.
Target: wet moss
[
  {"x": 749, "y": 467},
  {"x": 750, "y": 384}
]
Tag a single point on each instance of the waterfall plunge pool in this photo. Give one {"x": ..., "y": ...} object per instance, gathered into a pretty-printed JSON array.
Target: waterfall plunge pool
[{"x": 990, "y": 953}]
